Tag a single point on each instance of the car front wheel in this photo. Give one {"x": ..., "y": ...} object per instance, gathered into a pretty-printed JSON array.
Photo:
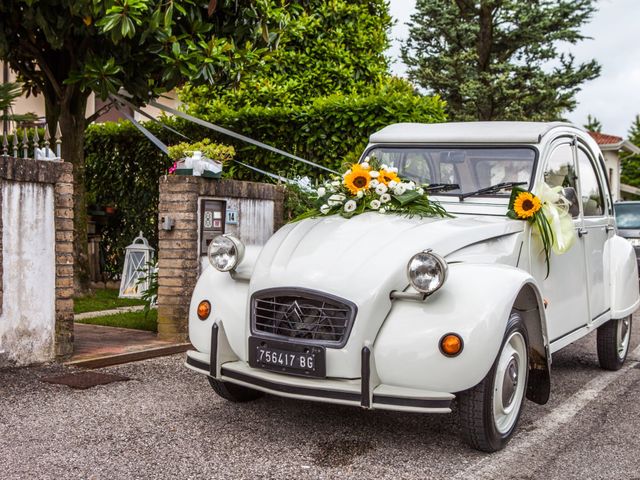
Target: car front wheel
[
  {"x": 489, "y": 412},
  {"x": 613, "y": 343},
  {"x": 234, "y": 393}
]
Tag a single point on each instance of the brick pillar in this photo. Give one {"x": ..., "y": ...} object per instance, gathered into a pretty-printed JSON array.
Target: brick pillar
[
  {"x": 178, "y": 261},
  {"x": 64, "y": 261},
  {"x": 177, "y": 255}
]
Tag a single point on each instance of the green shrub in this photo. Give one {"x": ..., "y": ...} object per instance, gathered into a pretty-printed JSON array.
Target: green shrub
[{"x": 123, "y": 167}]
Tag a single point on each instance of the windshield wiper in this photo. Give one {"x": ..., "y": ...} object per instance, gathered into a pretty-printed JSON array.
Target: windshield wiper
[
  {"x": 492, "y": 189},
  {"x": 441, "y": 187}
]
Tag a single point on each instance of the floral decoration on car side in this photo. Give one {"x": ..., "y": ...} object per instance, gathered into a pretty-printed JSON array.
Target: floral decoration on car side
[
  {"x": 371, "y": 186},
  {"x": 549, "y": 212}
]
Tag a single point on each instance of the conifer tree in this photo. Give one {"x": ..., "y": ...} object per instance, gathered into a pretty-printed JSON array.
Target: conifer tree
[
  {"x": 499, "y": 59},
  {"x": 593, "y": 124}
]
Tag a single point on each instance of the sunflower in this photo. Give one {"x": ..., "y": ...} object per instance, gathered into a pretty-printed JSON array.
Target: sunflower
[
  {"x": 526, "y": 205},
  {"x": 357, "y": 179},
  {"x": 387, "y": 176}
]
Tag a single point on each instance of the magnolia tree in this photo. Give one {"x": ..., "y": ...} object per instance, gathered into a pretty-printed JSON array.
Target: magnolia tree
[{"x": 66, "y": 49}]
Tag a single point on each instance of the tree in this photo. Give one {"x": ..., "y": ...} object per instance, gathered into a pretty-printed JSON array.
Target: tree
[
  {"x": 630, "y": 162},
  {"x": 498, "y": 59},
  {"x": 9, "y": 92},
  {"x": 65, "y": 49},
  {"x": 593, "y": 124},
  {"x": 329, "y": 47}
]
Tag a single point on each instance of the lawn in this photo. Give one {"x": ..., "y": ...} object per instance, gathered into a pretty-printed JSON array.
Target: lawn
[
  {"x": 135, "y": 320},
  {"x": 102, "y": 299}
]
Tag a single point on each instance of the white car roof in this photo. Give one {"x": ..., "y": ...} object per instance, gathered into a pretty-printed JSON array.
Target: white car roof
[{"x": 466, "y": 132}]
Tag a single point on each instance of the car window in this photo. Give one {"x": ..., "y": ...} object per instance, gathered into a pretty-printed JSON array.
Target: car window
[
  {"x": 472, "y": 168},
  {"x": 560, "y": 171},
  {"x": 627, "y": 215},
  {"x": 591, "y": 192}
]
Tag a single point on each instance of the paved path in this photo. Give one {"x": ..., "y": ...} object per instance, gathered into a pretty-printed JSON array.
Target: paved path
[{"x": 167, "y": 423}]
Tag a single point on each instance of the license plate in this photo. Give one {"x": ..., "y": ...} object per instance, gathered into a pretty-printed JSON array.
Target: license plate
[{"x": 291, "y": 358}]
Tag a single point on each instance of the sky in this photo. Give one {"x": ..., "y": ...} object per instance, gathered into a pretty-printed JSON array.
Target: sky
[{"x": 614, "y": 97}]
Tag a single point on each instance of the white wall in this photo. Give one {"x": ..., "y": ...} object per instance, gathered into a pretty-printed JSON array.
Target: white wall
[
  {"x": 612, "y": 162},
  {"x": 27, "y": 321}
]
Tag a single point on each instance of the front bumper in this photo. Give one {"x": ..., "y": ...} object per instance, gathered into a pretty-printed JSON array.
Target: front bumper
[{"x": 366, "y": 392}]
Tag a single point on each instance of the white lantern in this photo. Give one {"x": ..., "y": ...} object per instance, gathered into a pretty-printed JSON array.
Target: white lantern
[{"x": 137, "y": 261}]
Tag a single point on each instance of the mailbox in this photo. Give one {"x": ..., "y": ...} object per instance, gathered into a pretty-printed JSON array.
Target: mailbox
[{"x": 212, "y": 221}]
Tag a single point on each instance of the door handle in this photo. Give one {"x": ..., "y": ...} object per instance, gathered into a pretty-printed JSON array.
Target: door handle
[
  {"x": 582, "y": 232},
  {"x": 609, "y": 228}
]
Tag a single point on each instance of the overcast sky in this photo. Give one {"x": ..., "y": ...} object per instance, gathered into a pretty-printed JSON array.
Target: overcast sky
[{"x": 614, "y": 97}]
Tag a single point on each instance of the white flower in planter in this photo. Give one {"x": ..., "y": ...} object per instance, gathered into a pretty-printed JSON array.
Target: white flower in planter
[{"x": 350, "y": 206}]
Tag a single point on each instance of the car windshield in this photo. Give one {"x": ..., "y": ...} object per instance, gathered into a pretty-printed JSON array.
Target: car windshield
[
  {"x": 470, "y": 168},
  {"x": 627, "y": 215}
]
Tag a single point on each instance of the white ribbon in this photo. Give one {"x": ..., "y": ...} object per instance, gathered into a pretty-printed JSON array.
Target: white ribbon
[{"x": 555, "y": 207}]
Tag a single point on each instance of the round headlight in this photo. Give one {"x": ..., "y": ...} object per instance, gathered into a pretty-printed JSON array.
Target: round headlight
[
  {"x": 427, "y": 272},
  {"x": 225, "y": 252}
]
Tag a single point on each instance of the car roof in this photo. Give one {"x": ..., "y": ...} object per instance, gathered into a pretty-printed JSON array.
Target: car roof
[{"x": 466, "y": 132}]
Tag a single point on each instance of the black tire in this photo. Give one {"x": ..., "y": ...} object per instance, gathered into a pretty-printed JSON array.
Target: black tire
[
  {"x": 234, "y": 393},
  {"x": 475, "y": 406},
  {"x": 613, "y": 343}
]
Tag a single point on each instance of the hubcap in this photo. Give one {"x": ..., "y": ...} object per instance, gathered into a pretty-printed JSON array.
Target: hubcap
[
  {"x": 622, "y": 336},
  {"x": 509, "y": 384}
]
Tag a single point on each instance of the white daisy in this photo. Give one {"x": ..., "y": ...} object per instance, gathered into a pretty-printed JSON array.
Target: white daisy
[
  {"x": 374, "y": 183},
  {"x": 385, "y": 198},
  {"x": 420, "y": 191},
  {"x": 374, "y": 174},
  {"x": 360, "y": 194},
  {"x": 381, "y": 189},
  {"x": 364, "y": 165},
  {"x": 400, "y": 189},
  {"x": 382, "y": 210},
  {"x": 392, "y": 183},
  {"x": 324, "y": 209},
  {"x": 350, "y": 206},
  {"x": 375, "y": 204},
  {"x": 336, "y": 199},
  {"x": 322, "y": 191}
]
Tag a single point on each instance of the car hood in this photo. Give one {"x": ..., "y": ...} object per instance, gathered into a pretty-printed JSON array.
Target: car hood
[{"x": 365, "y": 255}]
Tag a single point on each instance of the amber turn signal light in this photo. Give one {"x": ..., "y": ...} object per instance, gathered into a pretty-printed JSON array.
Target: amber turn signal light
[
  {"x": 204, "y": 310},
  {"x": 451, "y": 344}
]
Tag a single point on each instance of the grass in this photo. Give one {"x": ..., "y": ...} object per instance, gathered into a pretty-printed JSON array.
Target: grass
[
  {"x": 102, "y": 299},
  {"x": 135, "y": 320}
]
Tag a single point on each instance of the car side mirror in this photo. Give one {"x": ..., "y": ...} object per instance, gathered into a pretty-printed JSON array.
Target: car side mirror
[{"x": 570, "y": 194}]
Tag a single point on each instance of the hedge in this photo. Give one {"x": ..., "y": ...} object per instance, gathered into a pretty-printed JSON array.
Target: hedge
[{"x": 123, "y": 167}]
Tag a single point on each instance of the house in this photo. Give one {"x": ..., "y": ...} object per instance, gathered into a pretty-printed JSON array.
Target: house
[
  {"x": 35, "y": 104},
  {"x": 611, "y": 146}
]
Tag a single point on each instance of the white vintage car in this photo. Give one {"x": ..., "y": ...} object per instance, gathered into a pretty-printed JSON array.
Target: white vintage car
[{"x": 382, "y": 311}]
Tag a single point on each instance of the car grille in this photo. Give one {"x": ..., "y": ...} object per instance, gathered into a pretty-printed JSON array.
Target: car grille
[{"x": 306, "y": 316}]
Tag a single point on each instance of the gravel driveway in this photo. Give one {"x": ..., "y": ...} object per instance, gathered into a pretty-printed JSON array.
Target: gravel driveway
[{"x": 166, "y": 422}]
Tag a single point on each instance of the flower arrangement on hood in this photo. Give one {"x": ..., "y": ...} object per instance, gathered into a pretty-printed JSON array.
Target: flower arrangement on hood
[
  {"x": 548, "y": 211},
  {"x": 371, "y": 186}
]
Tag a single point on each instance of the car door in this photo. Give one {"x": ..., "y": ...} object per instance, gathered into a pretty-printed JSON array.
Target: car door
[
  {"x": 564, "y": 289},
  {"x": 596, "y": 228}
]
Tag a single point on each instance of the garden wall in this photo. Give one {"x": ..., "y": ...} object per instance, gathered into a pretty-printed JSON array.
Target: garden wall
[
  {"x": 180, "y": 254},
  {"x": 36, "y": 260}
]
